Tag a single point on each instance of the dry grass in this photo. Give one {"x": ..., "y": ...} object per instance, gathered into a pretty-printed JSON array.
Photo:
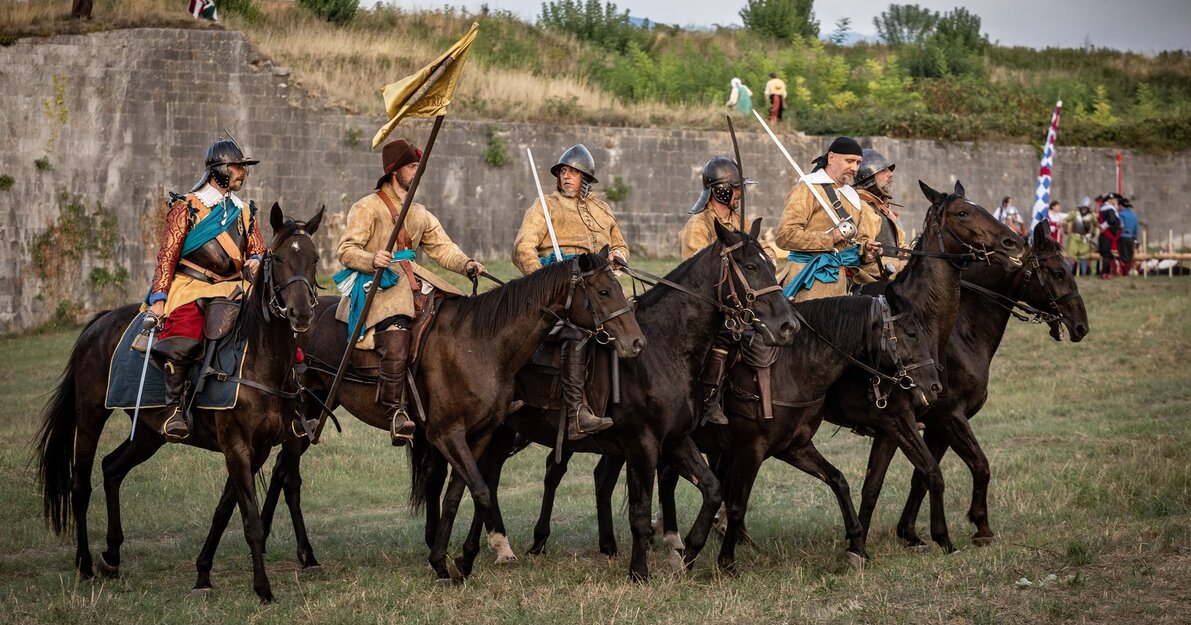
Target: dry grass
[{"x": 44, "y": 18}]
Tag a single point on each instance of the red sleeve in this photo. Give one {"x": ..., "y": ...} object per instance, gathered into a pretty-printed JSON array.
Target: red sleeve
[
  {"x": 177, "y": 225},
  {"x": 256, "y": 241}
]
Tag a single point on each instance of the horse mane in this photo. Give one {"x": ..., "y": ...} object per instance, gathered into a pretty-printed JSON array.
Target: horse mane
[
  {"x": 493, "y": 310},
  {"x": 839, "y": 318},
  {"x": 650, "y": 297}
]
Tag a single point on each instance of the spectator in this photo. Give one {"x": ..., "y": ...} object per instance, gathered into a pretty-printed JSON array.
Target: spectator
[
  {"x": 1128, "y": 240},
  {"x": 1110, "y": 234},
  {"x": 1057, "y": 218},
  {"x": 741, "y": 97},
  {"x": 80, "y": 9},
  {"x": 775, "y": 93},
  {"x": 1079, "y": 244},
  {"x": 1008, "y": 214}
]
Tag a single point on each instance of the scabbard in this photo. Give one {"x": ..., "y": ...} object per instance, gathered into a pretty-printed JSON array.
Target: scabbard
[{"x": 615, "y": 366}]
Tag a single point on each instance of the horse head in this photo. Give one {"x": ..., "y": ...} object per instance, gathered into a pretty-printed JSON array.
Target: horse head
[
  {"x": 906, "y": 350},
  {"x": 972, "y": 230},
  {"x": 289, "y": 269},
  {"x": 1049, "y": 285},
  {"x": 748, "y": 288},
  {"x": 598, "y": 305}
]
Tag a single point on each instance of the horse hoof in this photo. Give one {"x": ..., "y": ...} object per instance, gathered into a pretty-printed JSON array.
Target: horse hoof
[
  {"x": 981, "y": 540},
  {"x": 855, "y": 560},
  {"x": 506, "y": 558},
  {"x": 453, "y": 570},
  {"x": 202, "y": 593},
  {"x": 500, "y": 544},
  {"x": 676, "y": 562},
  {"x": 673, "y": 541},
  {"x": 107, "y": 570},
  {"x": 918, "y": 547},
  {"x": 312, "y": 568}
]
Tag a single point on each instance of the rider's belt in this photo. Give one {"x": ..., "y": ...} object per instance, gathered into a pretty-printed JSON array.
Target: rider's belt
[{"x": 202, "y": 275}]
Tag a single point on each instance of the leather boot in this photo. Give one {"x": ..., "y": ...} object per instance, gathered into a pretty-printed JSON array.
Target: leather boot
[
  {"x": 581, "y": 421},
  {"x": 176, "y": 356},
  {"x": 713, "y": 376},
  {"x": 393, "y": 347}
]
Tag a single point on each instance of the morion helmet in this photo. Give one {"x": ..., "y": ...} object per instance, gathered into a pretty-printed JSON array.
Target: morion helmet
[
  {"x": 720, "y": 174},
  {"x": 866, "y": 174},
  {"x": 579, "y": 158},
  {"x": 220, "y": 154}
]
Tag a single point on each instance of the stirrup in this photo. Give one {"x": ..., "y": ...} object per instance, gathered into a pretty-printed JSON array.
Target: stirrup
[
  {"x": 174, "y": 433},
  {"x": 714, "y": 415},
  {"x": 404, "y": 433},
  {"x": 574, "y": 432}
]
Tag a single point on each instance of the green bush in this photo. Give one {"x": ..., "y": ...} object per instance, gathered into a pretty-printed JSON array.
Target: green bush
[
  {"x": 784, "y": 20},
  {"x": 6, "y": 182},
  {"x": 245, "y": 9},
  {"x": 43, "y": 164},
  {"x": 497, "y": 152},
  {"x": 334, "y": 11},
  {"x": 618, "y": 190}
]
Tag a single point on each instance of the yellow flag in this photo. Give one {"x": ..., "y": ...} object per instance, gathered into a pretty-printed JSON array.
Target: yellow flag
[{"x": 427, "y": 92}]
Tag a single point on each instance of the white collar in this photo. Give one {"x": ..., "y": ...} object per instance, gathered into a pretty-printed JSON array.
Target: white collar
[
  {"x": 821, "y": 177},
  {"x": 210, "y": 196}
]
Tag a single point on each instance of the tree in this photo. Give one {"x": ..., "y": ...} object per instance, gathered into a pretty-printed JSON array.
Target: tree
[
  {"x": 840, "y": 34},
  {"x": 905, "y": 24},
  {"x": 784, "y": 20},
  {"x": 334, "y": 11},
  {"x": 602, "y": 24}
]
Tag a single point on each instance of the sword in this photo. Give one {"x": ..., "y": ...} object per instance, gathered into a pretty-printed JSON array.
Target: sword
[
  {"x": 545, "y": 211},
  {"x": 150, "y": 324},
  {"x": 845, "y": 226}
]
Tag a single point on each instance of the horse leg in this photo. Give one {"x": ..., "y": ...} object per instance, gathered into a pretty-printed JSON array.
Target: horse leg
[
  {"x": 808, "y": 460},
  {"x": 442, "y": 532},
  {"x": 240, "y": 469},
  {"x": 963, "y": 441},
  {"x": 741, "y": 473},
  {"x": 463, "y": 466},
  {"x": 223, "y": 514},
  {"x": 691, "y": 465},
  {"x": 916, "y": 451},
  {"x": 86, "y": 443},
  {"x": 606, "y": 473},
  {"x": 436, "y": 477},
  {"x": 667, "y": 520},
  {"x": 290, "y": 461},
  {"x": 495, "y": 457},
  {"x": 641, "y": 458},
  {"x": 116, "y": 466},
  {"x": 554, "y": 473},
  {"x": 879, "y": 457},
  {"x": 906, "y": 529}
]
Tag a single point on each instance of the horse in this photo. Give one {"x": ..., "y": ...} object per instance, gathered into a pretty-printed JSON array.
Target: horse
[
  {"x": 1046, "y": 291},
  {"x": 279, "y": 304},
  {"x": 963, "y": 233},
  {"x": 730, "y": 283},
  {"x": 465, "y": 398}
]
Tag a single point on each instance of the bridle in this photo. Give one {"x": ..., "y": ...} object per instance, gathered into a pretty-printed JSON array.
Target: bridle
[
  {"x": 959, "y": 260},
  {"x": 734, "y": 302},
  {"x": 273, "y": 303},
  {"x": 888, "y": 345},
  {"x": 1015, "y": 304},
  {"x": 578, "y": 280}
]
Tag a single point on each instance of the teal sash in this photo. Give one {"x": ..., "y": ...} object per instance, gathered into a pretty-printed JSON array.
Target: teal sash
[
  {"x": 357, "y": 289},
  {"x": 821, "y": 266},
  {"x": 546, "y": 260},
  {"x": 210, "y": 227}
]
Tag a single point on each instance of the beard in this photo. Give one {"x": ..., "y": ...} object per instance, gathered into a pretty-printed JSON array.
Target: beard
[
  {"x": 403, "y": 181},
  {"x": 887, "y": 190},
  {"x": 568, "y": 192},
  {"x": 847, "y": 179}
]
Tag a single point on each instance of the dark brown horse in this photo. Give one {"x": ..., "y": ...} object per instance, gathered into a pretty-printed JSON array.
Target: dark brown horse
[
  {"x": 280, "y": 304},
  {"x": 729, "y": 282},
  {"x": 1048, "y": 291},
  {"x": 465, "y": 383}
]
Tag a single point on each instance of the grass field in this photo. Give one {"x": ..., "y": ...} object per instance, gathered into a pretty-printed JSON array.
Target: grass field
[{"x": 1089, "y": 445}]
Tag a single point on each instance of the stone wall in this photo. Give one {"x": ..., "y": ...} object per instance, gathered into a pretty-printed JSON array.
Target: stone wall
[{"x": 100, "y": 127}]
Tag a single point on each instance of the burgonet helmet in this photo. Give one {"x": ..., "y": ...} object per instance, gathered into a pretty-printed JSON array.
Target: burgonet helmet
[
  {"x": 866, "y": 174},
  {"x": 578, "y": 157},
  {"x": 220, "y": 154},
  {"x": 720, "y": 174}
]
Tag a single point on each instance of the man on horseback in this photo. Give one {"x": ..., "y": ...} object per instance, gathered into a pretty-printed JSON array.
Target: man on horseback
[
  {"x": 362, "y": 251},
  {"x": 210, "y": 238},
  {"x": 874, "y": 185},
  {"x": 582, "y": 224},
  {"x": 823, "y": 245}
]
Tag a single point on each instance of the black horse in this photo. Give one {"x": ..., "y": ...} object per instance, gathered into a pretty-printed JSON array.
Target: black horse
[
  {"x": 729, "y": 281},
  {"x": 279, "y": 305},
  {"x": 1049, "y": 293}
]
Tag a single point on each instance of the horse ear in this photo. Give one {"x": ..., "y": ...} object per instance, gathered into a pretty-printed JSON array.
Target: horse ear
[
  {"x": 722, "y": 233},
  {"x": 604, "y": 251},
  {"x": 313, "y": 224},
  {"x": 934, "y": 196},
  {"x": 959, "y": 189},
  {"x": 276, "y": 217},
  {"x": 1042, "y": 230},
  {"x": 755, "y": 229}
]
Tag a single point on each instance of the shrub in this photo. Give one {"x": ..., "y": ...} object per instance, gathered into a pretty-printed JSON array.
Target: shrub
[
  {"x": 334, "y": 11},
  {"x": 497, "y": 152},
  {"x": 5, "y": 182}
]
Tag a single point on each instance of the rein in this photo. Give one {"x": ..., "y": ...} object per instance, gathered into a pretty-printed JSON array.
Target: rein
[
  {"x": 902, "y": 378},
  {"x": 738, "y": 316},
  {"x": 960, "y": 260},
  {"x": 1028, "y": 313},
  {"x": 579, "y": 278}
]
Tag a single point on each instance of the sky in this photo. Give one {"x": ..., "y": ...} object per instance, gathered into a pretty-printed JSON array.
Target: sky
[{"x": 1146, "y": 26}]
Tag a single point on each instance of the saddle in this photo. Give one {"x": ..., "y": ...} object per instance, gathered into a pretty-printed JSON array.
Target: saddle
[
  {"x": 366, "y": 362},
  {"x": 539, "y": 382}
]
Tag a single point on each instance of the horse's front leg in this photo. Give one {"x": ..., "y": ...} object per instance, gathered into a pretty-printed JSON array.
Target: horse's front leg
[
  {"x": 606, "y": 473},
  {"x": 554, "y": 474},
  {"x": 494, "y": 461},
  {"x": 905, "y": 432},
  {"x": 691, "y": 465},
  {"x": 240, "y": 469},
  {"x": 116, "y": 466},
  {"x": 206, "y": 557},
  {"x": 464, "y": 472},
  {"x": 808, "y": 460},
  {"x": 289, "y": 465},
  {"x": 641, "y": 458}
]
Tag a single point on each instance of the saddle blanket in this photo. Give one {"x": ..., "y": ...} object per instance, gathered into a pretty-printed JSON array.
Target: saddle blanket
[{"x": 125, "y": 374}]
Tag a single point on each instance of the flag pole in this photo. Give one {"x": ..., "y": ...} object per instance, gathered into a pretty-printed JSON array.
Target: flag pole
[{"x": 374, "y": 287}]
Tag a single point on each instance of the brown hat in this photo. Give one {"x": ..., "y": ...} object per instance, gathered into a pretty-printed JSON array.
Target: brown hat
[{"x": 395, "y": 155}]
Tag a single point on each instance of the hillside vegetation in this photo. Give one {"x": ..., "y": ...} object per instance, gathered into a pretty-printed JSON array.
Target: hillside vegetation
[{"x": 592, "y": 67}]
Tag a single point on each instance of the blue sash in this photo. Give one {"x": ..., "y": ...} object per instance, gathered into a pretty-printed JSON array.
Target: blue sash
[
  {"x": 546, "y": 260},
  {"x": 357, "y": 290},
  {"x": 821, "y": 266},
  {"x": 210, "y": 227}
]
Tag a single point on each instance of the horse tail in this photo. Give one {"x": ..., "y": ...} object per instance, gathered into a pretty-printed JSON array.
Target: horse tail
[
  {"x": 55, "y": 443},
  {"x": 420, "y": 459}
]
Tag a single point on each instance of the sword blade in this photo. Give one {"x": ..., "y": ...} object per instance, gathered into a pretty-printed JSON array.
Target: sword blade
[
  {"x": 545, "y": 211},
  {"x": 140, "y": 389},
  {"x": 801, "y": 176}
]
